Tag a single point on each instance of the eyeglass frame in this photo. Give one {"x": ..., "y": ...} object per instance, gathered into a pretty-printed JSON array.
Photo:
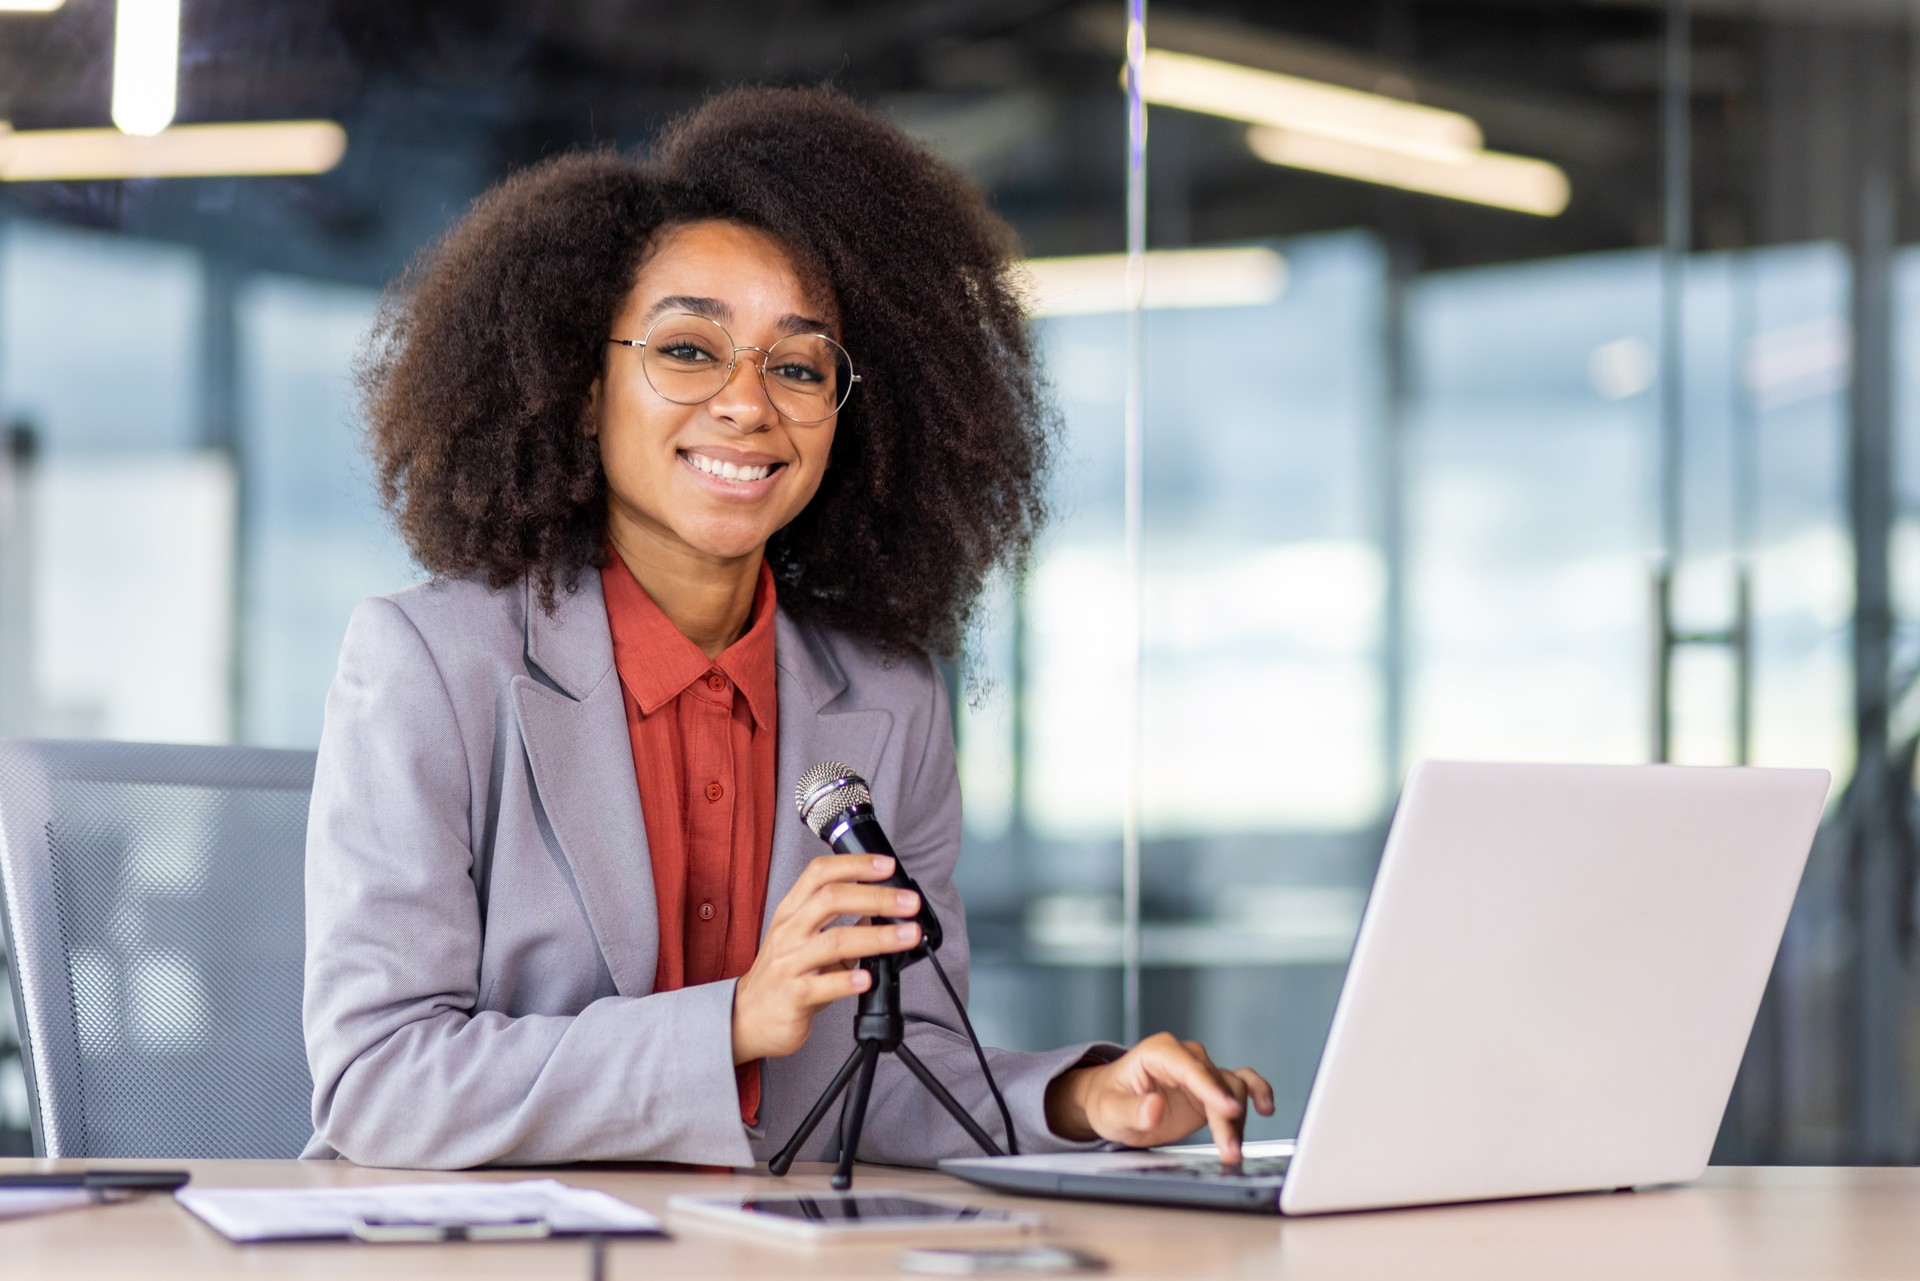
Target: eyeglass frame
[{"x": 733, "y": 362}]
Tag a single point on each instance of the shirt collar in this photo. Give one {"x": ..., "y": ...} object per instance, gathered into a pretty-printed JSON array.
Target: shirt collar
[{"x": 657, "y": 663}]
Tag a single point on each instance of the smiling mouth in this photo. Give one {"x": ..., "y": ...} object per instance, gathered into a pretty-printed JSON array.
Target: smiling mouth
[{"x": 734, "y": 472}]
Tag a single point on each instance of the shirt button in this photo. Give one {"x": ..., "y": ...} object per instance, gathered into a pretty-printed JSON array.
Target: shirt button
[
  {"x": 716, "y": 682},
  {"x": 706, "y": 911},
  {"x": 715, "y": 791}
]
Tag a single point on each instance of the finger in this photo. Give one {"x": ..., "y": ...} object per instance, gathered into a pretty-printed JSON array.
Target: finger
[
  {"x": 819, "y": 990},
  {"x": 1223, "y": 1111},
  {"x": 1181, "y": 1069},
  {"x": 1257, "y": 1089},
  {"x": 851, "y": 942},
  {"x": 868, "y": 900},
  {"x": 1149, "y": 1113},
  {"x": 1198, "y": 1051},
  {"x": 832, "y": 902},
  {"x": 828, "y": 869},
  {"x": 1226, "y": 1136},
  {"x": 1231, "y": 1081}
]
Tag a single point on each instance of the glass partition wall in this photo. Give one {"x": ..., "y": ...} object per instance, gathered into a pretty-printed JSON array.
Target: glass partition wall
[
  {"x": 1574, "y": 430},
  {"x": 1495, "y": 379}
]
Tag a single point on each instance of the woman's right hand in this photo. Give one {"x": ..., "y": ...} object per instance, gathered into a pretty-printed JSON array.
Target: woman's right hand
[{"x": 803, "y": 966}]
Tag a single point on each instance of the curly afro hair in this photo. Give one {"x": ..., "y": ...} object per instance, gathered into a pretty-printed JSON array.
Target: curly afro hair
[{"x": 477, "y": 375}]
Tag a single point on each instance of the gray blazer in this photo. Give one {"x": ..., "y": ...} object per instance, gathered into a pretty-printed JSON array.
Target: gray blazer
[{"x": 481, "y": 926}]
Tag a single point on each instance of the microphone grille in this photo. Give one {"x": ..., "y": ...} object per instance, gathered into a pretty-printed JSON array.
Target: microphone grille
[{"x": 827, "y": 791}]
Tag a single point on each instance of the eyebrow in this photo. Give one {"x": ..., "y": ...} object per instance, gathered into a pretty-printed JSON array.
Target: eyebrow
[{"x": 717, "y": 310}]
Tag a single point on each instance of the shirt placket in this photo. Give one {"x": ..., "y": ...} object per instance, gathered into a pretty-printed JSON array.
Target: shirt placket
[{"x": 710, "y": 831}]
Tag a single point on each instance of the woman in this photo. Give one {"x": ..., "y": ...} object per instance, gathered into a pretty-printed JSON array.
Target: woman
[{"x": 704, "y": 456}]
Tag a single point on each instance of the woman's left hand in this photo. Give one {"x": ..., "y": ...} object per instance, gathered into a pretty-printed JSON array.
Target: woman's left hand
[{"x": 1159, "y": 1091}]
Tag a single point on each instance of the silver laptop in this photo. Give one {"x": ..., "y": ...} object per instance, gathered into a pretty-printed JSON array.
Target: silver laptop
[{"x": 1551, "y": 989}]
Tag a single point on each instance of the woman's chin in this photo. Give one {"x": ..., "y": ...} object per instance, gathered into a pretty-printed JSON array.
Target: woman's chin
[{"x": 725, "y": 542}]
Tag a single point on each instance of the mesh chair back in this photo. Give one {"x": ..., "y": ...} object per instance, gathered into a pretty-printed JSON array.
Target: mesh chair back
[{"x": 153, "y": 906}]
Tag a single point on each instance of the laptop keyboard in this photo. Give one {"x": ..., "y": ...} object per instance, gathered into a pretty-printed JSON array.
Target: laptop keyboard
[{"x": 1266, "y": 1167}]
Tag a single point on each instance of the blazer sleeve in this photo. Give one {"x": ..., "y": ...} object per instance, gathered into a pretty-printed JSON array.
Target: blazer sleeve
[
  {"x": 905, "y": 1125},
  {"x": 405, "y": 1072}
]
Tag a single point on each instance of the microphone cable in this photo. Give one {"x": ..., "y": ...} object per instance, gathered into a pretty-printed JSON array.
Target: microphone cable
[{"x": 960, "y": 1008}]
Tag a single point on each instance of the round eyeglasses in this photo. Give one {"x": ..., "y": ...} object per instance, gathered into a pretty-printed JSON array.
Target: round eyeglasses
[{"x": 688, "y": 359}]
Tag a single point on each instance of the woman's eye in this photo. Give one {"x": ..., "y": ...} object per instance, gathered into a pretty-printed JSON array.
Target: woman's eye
[
  {"x": 798, "y": 373},
  {"x": 685, "y": 352}
]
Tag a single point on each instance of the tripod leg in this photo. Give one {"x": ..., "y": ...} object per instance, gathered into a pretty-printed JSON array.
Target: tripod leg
[
  {"x": 946, "y": 1100},
  {"x": 783, "y": 1159},
  {"x": 856, "y": 1115}
]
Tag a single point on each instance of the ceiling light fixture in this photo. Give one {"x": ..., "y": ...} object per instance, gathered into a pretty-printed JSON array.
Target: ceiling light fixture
[
  {"x": 1350, "y": 133},
  {"x": 146, "y": 64},
  {"x": 1493, "y": 178},
  {"x": 1176, "y": 278},
  {"x": 186, "y": 151},
  {"x": 1259, "y": 97}
]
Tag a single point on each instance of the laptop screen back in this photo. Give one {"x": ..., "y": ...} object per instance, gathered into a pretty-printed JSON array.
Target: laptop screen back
[{"x": 1553, "y": 982}]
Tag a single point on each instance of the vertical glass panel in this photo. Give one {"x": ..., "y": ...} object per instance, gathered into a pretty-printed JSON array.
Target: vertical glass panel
[
  {"x": 1076, "y": 643},
  {"x": 133, "y": 596},
  {"x": 1042, "y": 763},
  {"x": 317, "y": 542},
  {"x": 1264, "y": 583},
  {"x": 1265, "y": 592},
  {"x": 127, "y": 525},
  {"x": 99, "y": 337},
  {"x": 1906, "y": 561},
  {"x": 1794, "y": 372},
  {"x": 1530, "y": 509},
  {"x": 1405, "y": 509}
]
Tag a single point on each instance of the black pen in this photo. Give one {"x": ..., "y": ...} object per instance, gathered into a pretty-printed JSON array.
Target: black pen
[{"x": 99, "y": 1180}]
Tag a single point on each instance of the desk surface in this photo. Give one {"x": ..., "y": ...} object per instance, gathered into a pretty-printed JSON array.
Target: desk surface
[{"x": 1737, "y": 1222}]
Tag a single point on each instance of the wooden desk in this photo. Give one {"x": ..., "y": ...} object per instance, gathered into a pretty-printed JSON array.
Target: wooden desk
[{"x": 1772, "y": 1223}]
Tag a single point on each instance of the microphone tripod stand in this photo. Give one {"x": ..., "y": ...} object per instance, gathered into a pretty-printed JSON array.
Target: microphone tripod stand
[{"x": 879, "y": 1028}]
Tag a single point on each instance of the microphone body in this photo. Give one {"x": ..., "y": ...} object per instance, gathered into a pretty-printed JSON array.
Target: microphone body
[
  {"x": 837, "y": 806},
  {"x": 857, "y": 831}
]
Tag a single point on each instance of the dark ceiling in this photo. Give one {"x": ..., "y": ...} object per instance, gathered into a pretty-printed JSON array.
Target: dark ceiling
[{"x": 440, "y": 99}]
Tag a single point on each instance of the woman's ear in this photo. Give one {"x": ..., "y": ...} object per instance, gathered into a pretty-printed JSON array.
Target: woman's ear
[{"x": 590, "y": 421}]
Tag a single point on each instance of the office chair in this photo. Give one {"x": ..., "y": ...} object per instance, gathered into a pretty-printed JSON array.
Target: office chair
[{"x": 153, "y": 905}]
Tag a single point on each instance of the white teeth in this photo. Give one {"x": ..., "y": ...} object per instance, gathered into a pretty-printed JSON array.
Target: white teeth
[{"x": 729, "y": 471}]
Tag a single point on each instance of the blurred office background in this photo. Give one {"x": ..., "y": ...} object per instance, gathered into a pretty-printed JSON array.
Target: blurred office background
[{"x": 1522, "y": 379}]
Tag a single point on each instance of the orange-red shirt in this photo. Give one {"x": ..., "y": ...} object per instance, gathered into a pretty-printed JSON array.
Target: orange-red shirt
[{"x": 703, "y": 736}]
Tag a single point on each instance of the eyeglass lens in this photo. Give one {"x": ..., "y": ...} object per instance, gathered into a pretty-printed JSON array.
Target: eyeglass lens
[{"x": 807, "y": 376}]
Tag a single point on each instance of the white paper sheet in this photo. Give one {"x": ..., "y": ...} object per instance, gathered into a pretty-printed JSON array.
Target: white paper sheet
[
  {"x": 19, "y": 1202},
  {"x": 281, "y": 1214}
]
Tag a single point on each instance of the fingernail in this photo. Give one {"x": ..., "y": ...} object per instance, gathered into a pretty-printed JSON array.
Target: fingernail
[
  {"x": 906, "y": 933},
  {"x": 907, "y": 901},
  {"x": 882, "y": 864},
  {"x": 861, "y": 980}
]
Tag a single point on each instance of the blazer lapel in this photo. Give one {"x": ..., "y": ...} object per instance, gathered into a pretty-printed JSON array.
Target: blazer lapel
[
  {"x": 811, "y": 730},
  {"x": 575, "y": 731}
]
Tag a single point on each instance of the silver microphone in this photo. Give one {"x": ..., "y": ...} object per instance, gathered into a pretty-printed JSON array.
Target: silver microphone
[{"x": 837, "y": 805}]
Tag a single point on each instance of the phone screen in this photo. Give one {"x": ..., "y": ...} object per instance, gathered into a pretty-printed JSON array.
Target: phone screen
[
  {"x": 864, "y": 1209},
  {"x": 974, "y": 1263}
]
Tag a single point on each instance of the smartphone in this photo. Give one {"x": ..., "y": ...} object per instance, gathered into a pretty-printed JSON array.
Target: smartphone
[
  {"x": 1000, "y": 1262},
  {"x": 854, "y": 1216}
]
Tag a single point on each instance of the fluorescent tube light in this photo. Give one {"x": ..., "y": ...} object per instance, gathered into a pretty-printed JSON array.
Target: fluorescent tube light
[
  {"x": 30, "y": 6},
  {"x": 146, "y": 64},
  {"x": 1176, "y": 278},
  {"x": 1492, "y": 178},
  {"x": 1307, "y": 106},
  {"x": 187, "y": 151}
]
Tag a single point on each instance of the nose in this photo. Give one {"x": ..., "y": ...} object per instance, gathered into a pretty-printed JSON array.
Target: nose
[{"x": 743, "y": 401}]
